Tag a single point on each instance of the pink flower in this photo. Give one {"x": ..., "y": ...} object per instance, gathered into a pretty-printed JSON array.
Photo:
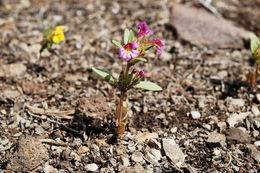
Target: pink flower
[
  {"x": 158, "y": 44},
  {"x": 142, "y": 73},
  {"x": 128, "y": 51},
  {"x": 143, "y": 30}
]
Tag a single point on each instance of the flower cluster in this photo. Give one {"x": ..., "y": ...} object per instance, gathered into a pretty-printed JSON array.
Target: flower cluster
[
  {"x": 53, "y": 36},
  {"x": 140, "y": 44}
]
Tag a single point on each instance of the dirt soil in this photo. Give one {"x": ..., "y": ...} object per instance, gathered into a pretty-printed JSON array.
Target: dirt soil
[{"x": 205, "y": 120}]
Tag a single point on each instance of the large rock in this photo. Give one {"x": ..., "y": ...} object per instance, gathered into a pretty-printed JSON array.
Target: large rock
[
  {"x": 173, "y": 151},
  {"x": 30, "y": 153},
  {"x": 201, "y": 27}
]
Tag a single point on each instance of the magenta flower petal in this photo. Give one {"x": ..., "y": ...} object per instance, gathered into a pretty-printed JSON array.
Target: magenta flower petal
[
  {"x": 142, "y": 73},
  {"x": 128, "y": 52},
  {"x": 158, "y": 44},
  {"x": 143, "y": 30}
]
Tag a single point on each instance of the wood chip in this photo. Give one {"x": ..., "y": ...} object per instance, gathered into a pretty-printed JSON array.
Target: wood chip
[{"x": 57, "y": 113}]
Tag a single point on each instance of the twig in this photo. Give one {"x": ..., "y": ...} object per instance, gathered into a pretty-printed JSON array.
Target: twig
[
  {"x": 207, "y": 5},
  {"x": 56, "y": 122}
]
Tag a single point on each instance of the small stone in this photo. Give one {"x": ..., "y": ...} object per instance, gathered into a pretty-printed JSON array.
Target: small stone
[
  {"x": 165, "y": 56},
  {"x": 49, "y": 169},
  {"x": 173, "y": 151},
  {"x": 125, "y": 161},
  {"x": 238, "y": 135},
  {"x": 145, "y": 136},
  {"x": 82, "y": 150},
  {"x": 216, "y": 139},
  {"x": 216, "y": 152},
  {"x": 195, "y": 115},
  {"x": 237, "y": 102},
  {"x": 174, "y": 129},
  {"x": 258, "y": 97},
  {"x": 257, "y": 143},
  {"x": 91, "y": 167},
  {"x": 137, "y": 157},
  {"x": 222, "y": 125},
  {"x": 255, "y": 154},
  {"x": 236, "y": 118},
  {"x": 153, "y": 155},
  {"x": 255, "y": 111},
  {"x": 153, "y": 143}
]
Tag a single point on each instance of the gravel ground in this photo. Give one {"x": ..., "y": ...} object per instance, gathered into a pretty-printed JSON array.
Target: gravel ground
[{"x": 56, "y": 115}]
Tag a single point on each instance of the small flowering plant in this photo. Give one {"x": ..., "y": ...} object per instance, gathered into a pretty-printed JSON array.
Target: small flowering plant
[
  {"x": 255, "y": 50},
  {"x": 133, "y": 51},
  {"x": 52, "y": 35}
]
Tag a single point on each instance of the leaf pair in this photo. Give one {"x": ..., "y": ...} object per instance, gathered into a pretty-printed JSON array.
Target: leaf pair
[{"x": 146, "y": 85}]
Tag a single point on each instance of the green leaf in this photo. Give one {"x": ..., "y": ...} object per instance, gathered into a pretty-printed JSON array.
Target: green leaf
[
  {"x": 117, "y": 43},
  {"x": 126, "y": 36},
  {"x": 148, "y": 47},
  {"x": 146, "y": 85},
  {"x": 135, "y": 60},
  {"x": 104, "y": 74},
  {"x": 254, "y": 42},
  {"x": 131, "y": 36}
]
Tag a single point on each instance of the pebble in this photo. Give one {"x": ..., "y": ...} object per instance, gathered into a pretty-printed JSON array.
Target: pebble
[
  {"x": 165, "y": 56},
  {"x": 236, "y": 102},
  {"x": 257, "y": 143},
  {"x": 125, "y": 161},
  {"x": 235, "y": 118},
  {"x": 82, "y": 150},
  {"x": 153, "y": 155},
  {"x": 91, "y": 167},
  {"x": 216, "y": 152},
  {"x": 216, "y": 139},
  {"x": 195, "y": 115},
  {"x": 254, "y": 152},
  {"x": 173, "y": 151},
  {"x": 238, "y": 135},
  {"x": 222, "y": 125},
  {"x": 258, "y": 97},
  {"x": 255, "y": 111},
  {"x": 137, "y": 157}
]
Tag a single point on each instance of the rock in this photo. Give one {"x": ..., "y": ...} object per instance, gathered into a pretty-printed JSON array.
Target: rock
[
  {"x": 236, "y": 102},
  {"x": 258, "y": 97},
  {"x": 165, "y": 56},
  {"x": 153, "y": 155},
  {"x": 12, "y": 70},
  {"x": 137, "y": 157},
  {"x": 235, "y": 118},
  {"x": 257, "y": 143},
  {"x": 238, "y": 135},
  {"x": 145, "y": 136},
  {"x": 255, "y": 111},
  {"x": 216, "y": 152},
  {"x": 91, "y": 167},
  {"x": 195, "y": 115},
  {"x": 30, "y": 154},
  {"x": 216, "y": 139},
  {"x": 255, "y": 154},
  {"x": 125, "y": 161},
  {"x": 82, "y": 150},
  {"x": 49, "y": 169},
  {"x": 11, "y": 94},
  {"x": 216, "y": 32},
  {"x": 222, "y": 125},
  {"x": 153, "y": 143},
  {"x": 173, "y": 151},
  {"x": 136, "y": 169}
]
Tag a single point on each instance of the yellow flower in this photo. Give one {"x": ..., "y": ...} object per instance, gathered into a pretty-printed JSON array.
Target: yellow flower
[{"x": 57, "y": 34}]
